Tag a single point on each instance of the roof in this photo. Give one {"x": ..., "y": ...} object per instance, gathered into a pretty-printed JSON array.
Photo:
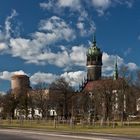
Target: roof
[
  {"x": 91, "y": 85},
  {"x": 19, "y": 76}
]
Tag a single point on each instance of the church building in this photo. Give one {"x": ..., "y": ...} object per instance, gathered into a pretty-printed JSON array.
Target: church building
[{"x": 94, "y": 68}]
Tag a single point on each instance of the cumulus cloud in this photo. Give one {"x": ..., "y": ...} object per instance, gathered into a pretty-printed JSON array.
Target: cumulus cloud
[
  {"x": 40, "y": 77},
  {"x": 74, "y": 78},
  {"x": 132, "y": 66},
  {"x": 77, "y": 10},
  {"x": 109, "y": 61},
  {"x": 6, "y": 75},
  {"x": 58, "y": 28},
  {"x": 101, "y": 3},
  {"x": 83, "y": 29},
  {"x": 32, "y": 52},
  {"x": 101, "y": 6},
  {"x": 78, "y": 55},
  {"x": 36, "y": 49},
  {"x": 3, "y": 46}
]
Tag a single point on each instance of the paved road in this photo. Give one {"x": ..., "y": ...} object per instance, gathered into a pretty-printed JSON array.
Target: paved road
[{"x": 7, "y": 134}]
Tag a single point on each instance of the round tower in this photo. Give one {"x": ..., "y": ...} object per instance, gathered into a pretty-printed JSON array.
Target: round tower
[
  {"x": 94, "y": 62},
  {"x": 20, "y": 82}
]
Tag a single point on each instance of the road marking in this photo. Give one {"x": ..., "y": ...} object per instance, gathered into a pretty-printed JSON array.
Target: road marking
[{"x": 52, "y": 134}]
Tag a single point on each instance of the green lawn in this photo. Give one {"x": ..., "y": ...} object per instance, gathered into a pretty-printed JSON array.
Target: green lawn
[{"x": 132, "y": 130}]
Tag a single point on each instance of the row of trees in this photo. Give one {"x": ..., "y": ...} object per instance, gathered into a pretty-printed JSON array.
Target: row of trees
[{"x": 109, "y": 100}]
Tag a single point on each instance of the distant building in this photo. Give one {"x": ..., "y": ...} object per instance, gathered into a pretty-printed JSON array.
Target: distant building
[
  {"x": 95, "y": 79},
  {"x": 20, "y": 82},
  {"x": 20, "y": 87},
  {"x": 94, "y": 68}
]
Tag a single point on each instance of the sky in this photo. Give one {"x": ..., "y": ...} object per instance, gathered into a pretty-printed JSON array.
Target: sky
[{"x": 48, "y": 39}]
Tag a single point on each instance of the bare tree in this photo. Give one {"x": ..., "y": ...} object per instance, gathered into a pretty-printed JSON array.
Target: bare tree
[
  {"x": 104, "y": 98},
  {"x": 61, "y": 94},
  {"x": 9, "y": 104},
  {"x": 41, "y": 98}
]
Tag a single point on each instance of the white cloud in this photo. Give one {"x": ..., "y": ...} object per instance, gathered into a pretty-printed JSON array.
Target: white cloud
[
  {"x": 58, "y": 4},
  {"x": 58, "y": 28},
  {"x": 24, "y": 48},
  {"x": 132, "y": 66},
  {"x": 33, "y": 51},
  {"x": 78, "y": 55},
  {"x": 30, "y": 50},
  {"x": 69, "y": 3},
  {"x": 102, "y": 5},
  {"x": 20, "y": 72},
  {"x": 109, "y": 61},
  {"x": 6, "y": 31},
  {"x": 36, "y": 49},
  {"x": 5, "y": 75},
  {"x": 8, "y": 28},
  {"x": 48, "y": 5},
  {"x": 42, "y": 78},
  {"x": 74, "y": 78},
  {"x": 60, "y": 59},
  {"x": 3, "y": 46},
  {"x": 128, "y": 3},
  {"x": 81, "y": 27},
  {"x": 78, "y": 11}
]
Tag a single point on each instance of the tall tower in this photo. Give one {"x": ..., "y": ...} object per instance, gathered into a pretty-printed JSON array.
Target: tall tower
[
  {"x": 115, "y": 74},
  {"x": 20, "y": 82},
  {"x": 94, "y": 62}
]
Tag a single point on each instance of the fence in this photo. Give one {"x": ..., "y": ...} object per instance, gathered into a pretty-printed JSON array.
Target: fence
[{"x": 62, "y": 124}]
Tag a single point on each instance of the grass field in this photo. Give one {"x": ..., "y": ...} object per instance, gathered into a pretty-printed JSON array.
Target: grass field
[{"x": 133, "y": 129}]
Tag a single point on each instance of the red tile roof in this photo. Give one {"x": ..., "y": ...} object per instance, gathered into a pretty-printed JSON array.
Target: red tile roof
[{"x": 90, "y": 85}]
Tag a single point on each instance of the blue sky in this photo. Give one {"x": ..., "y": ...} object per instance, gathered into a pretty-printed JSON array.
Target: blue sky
[{"x": 49, "y": 39}]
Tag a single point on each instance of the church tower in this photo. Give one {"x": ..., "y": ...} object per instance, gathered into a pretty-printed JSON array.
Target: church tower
[{"x": 94, "y": 62}]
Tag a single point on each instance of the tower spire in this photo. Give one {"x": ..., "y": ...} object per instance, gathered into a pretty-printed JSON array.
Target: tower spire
[{"x": 115, "y": 76}]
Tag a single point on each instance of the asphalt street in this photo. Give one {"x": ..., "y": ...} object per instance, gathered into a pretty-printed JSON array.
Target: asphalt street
[{"x": 10, "y": 134}]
